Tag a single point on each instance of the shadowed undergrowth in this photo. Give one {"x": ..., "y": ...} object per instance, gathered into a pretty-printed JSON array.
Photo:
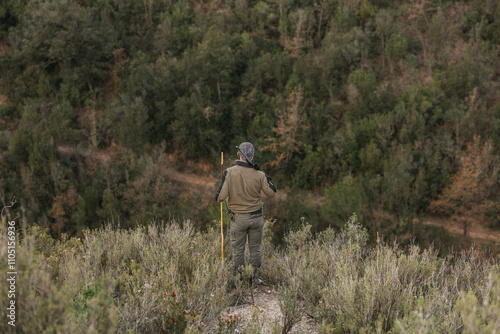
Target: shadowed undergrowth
[{"x": 169, "y": 278}]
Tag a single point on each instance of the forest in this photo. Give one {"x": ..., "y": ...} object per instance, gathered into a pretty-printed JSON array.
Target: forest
[{"x": 390, "y": 109}]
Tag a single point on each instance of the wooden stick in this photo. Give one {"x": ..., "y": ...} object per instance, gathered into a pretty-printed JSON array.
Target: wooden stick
[{"x": 221, "y": 213}]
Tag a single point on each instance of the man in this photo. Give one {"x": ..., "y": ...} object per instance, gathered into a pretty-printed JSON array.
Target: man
[{"x": 241, "y": 185}]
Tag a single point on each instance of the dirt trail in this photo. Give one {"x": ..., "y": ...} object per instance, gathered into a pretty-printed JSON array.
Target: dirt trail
[
  {"x": 474, "y": 231},
  {"x": 193, "y": 174},
  {"x": 193, "y": 178},
  {"x": 266, "y": 312}
]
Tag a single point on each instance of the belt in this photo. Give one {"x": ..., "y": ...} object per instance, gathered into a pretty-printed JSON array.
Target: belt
[{"x": 256, "y": 212}]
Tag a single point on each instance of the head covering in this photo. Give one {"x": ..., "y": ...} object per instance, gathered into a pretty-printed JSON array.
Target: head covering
[{"x": 247, "y": 149}]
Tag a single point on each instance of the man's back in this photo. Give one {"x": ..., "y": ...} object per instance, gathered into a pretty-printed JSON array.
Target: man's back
[{"x": 242, "y": 185}]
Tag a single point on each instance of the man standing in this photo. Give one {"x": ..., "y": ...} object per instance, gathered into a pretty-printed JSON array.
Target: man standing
[{"x": 241, "y": 185}]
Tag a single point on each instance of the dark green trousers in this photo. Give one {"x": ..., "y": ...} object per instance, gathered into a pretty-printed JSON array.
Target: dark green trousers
[{"x": 246, "y": 226}]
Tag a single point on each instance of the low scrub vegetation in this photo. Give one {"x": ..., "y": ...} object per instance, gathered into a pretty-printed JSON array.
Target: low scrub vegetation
[
  {"x": 347, "y": 285},
  {"x": 169, "y": 278}
]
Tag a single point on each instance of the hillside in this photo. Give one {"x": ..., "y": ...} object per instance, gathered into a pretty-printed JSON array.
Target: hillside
[{"x": 117, "y": 110}]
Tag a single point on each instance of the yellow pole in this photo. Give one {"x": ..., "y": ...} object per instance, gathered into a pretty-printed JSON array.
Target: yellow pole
[{"x": 221, "y": 214}]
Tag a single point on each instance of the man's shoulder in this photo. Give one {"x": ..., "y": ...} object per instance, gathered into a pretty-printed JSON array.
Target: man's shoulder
[{"x": 232, "y": 169}]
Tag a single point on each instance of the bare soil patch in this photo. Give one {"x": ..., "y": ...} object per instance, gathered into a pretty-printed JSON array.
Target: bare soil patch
[
  {"x": 266, "y": 313},
  {"x": 473, "y": 230}
]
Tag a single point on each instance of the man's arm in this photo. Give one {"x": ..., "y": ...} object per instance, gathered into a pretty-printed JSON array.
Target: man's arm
[
  {"x": 268, "y": 186},
  {"x": 223, "y": 190}
]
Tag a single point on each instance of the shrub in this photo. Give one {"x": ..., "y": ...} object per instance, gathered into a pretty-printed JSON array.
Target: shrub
[
  {"x": 396, "y": 46},
  {"x": 151, "y": 279},
  {"x": 345, "y": 285},
  {"x": 363, "y": 81},
  {"x": 170, "y": 278},
  {"x": 342, "y": 200}
]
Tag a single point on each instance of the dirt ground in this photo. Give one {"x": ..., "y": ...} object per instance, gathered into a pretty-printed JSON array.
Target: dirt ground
[
  {"x": 266, "y": 312},
  {"x": 475, "y": 231}
]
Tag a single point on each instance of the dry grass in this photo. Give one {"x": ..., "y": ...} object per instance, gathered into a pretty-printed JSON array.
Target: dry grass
[
  {"x": 346, "y": 285},
  {"x": 169, "y": 278}
]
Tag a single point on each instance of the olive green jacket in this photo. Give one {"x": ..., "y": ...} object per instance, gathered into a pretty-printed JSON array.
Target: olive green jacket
[{"x": 241, "y": 185}]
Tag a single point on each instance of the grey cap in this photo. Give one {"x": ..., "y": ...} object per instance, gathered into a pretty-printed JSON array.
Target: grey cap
[{"x": 247, "y": 149}]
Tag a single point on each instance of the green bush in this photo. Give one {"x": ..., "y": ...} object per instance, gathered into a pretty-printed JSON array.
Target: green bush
[
  {"x": 363, "y": 81},
  {"x": 396, "y": 47},
  {"x": 342, "y": 200}
]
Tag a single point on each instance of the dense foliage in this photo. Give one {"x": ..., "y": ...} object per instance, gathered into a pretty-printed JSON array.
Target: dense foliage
[{"x": 371, "y": 106}]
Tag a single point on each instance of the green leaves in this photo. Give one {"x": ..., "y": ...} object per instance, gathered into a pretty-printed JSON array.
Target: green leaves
[
  {"x": 396, "y": 47},
  {"x": 61, "y": 38},
  {"x": 342, "y": 200},
  {"x": 193, "y": 129},
  {"x": 363, "y": 81}
]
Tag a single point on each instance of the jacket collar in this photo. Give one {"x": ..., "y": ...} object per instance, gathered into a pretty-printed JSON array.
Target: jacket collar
[{"x": 243, "y": 164}]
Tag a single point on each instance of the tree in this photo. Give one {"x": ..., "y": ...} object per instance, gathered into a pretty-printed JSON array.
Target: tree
[
  {"x": 87, "y": 207},
  {"x": 384, "y": 24},
  {"x": 195, "y": 129},
  {"x": 398, "y": 180},
  {"x": 289, "y": 123},
  {"x": 363, "y": 81},
  {"x": 418, "y": 21},
  {"x": 10, "y": 12},
  {"x": 133, "y": 124},
  {"x": 468, "y": 197},
  {"x": 213, "y": 65},
  {"x": 62, "y": 210},
  {"x": 111, "y": 210},
  {"x": 69, "y": 43},
  {"x": 323, "y": 9},
  {"x": 299, "y": 35}
]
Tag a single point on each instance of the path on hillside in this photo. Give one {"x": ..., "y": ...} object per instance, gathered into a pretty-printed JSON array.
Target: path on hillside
[
  {"x": 193, "y": 178},
  {"x": 200, "y": 176},
  {"x": 474, "y": 231}
]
